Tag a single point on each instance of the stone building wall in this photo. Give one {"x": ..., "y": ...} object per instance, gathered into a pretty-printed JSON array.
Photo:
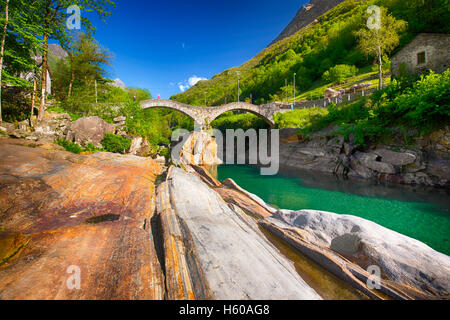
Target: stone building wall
[{"x": 434, "y": 47}]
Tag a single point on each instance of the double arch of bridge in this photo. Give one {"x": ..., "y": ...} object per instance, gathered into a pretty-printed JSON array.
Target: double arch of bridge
[{"x": 203, "y": 116}]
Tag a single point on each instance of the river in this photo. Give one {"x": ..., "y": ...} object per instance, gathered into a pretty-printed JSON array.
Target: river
[{"x": 419, "y": 213}]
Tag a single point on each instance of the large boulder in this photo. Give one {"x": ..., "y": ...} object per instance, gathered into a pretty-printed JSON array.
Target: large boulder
[
  {"x": 140, "y": 147},
  {"x": 7, "y": 127},
  {"x": 200, "y": 148},
  {"x": 72, "y": 212},
  {"x": 440, "y": 141},
  {"x": 225, "y": 255},
  {"x": 395, "y": 158},
  {"x": 53, "y": 126},
  {"x": 403, "y": 260},
  {"x": 89, "y": 130},
  {"x": 373, "y": 161},
  {"x": 135, "y": 145}
]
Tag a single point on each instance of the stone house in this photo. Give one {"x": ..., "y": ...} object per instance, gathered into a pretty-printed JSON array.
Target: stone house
[
  {"x": 31, "y": 75},
  {"x": 427, "y": 51}
]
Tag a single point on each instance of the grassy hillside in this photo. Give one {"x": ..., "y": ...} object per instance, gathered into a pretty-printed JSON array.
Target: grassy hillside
[
  {"x": 403, "y": 111},
  {"x": 312, "y": 51}
]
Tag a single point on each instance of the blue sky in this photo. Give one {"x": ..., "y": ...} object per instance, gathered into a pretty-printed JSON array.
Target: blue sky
[{"x": 160, "y": 45}]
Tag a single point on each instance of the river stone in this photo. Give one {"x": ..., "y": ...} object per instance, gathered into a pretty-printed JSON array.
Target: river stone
[
  {"x": 348, "y": 148},
  {"x": 89, "y": 130},
  {"x": 431, "y": 156},
  {"x": 53, "y": 126},
  {"x": 237, "y": 260},
  {"x": 135, "y": 145},
  {"x": 395, "y": 158},
  {"x": 200, "y": 148},
  {"x": 372, "y": 161},
  {"x": 289, "y": 135},
  {"x": 7, "y": 127},
  {"x": 401, "y": 258},
  {"x": 120, "y": 119}
]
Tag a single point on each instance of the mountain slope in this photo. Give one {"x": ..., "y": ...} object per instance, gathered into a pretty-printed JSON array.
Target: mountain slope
[
  {"x": 305, "y": 15},
  {"x": 311, "y": 51}
]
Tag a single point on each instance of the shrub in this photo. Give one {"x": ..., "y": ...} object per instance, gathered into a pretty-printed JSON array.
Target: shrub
[
  {"x": 425, "y": 105},
  {"x": 116, "y": 144},
  {"x": 339, "y": 73},
  {"x": 300, "y": 118},
  {"x": 69, "y": 146},
  {"x": 75, "y": 148},
  {"x": 244, "y": 121},
  {"x": 165, "y": 152},
  {"x": 363, "y": 133}
]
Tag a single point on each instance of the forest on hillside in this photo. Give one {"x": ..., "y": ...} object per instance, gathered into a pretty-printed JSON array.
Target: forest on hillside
[
  {"x": 80, "y": 84},
  {"x": 332, "y": 52},
  {"x": 314, "y": 51}
]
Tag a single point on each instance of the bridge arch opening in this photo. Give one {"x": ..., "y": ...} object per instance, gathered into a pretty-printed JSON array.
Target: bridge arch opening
[
  {"x": 258, "y": 118},
  {"x": 204, "y": 116},
  {"x": 176, "y": 118}
]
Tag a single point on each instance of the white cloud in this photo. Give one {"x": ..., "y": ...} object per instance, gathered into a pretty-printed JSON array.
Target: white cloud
[
  {"x": 192, "y": 81},
  {"x": 183, "y": 87}
]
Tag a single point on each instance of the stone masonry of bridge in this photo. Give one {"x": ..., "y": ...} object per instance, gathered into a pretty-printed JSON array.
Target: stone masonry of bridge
[{"x": 203, "y": 116}]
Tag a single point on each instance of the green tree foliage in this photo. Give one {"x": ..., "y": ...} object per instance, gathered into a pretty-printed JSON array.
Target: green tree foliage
[
  {"x": 54, "y": 17},
  {"x": 300, "y": 118},
  {"x": 310, "y": 52},
  {"x": 155, "y": 125},
  {"x": 412, "y": 108},
  {"x": 244, "y": 121},
  {"x": 381, "y": 41},
  {"x": 79, "y": 82},
  {"x": 138, "y": 94},
  {"x": 116, "y": 144},
  {"x": 425, "y": 105},
  {"x": 422, "y": 15},
  {"x": 81, "y": 70},
  {"x": 339, "y": 73},
  {"x": 18, "y": 41}
]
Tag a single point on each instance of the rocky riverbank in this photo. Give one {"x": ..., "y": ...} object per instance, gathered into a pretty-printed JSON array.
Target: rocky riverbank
[
  {"x": 136, "y": 233},
  {"x": 426, "y": 162},
  {"x": 101, "y": 214},
  {"x": 58, "y": 210},
  {"x": 83, "y": 131}
]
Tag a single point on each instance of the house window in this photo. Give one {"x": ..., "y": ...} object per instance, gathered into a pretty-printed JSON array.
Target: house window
[{"x": 421, "y": 58}]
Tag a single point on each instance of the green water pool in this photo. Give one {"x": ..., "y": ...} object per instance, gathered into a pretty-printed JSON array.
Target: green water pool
[{"x": 419, "y": 213}]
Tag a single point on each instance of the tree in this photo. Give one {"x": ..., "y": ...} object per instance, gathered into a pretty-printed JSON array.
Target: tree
[
  {"x": 88, "y": 59},
  {"x": 339, "y": 73},
  {"x": 287, "y": 92},
  {"x": 55, "y": 16},
  {"x": 18, "y": 41},
  {"x": 2, "y": 50},
  {"x": 381, "y": 38},
  {"x": 83, "y": 66}
]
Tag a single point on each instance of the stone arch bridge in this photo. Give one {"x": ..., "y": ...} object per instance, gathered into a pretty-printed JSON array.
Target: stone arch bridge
[{"x": 203, "y": 116}]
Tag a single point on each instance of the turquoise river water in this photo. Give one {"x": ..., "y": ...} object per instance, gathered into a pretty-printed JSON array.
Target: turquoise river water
[{"x": 419, "y": 213}]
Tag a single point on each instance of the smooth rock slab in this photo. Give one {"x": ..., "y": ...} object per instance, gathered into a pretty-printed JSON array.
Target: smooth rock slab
[
  {"x": 59, "y": 209},
  {"x": 401, "y": 258},
  {"x": 395, "y": 158},
  {"x": 237, "y": 261}
]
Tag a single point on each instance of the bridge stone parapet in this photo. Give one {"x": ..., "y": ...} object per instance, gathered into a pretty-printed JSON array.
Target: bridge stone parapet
[{"x": 203, "y": 116}]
